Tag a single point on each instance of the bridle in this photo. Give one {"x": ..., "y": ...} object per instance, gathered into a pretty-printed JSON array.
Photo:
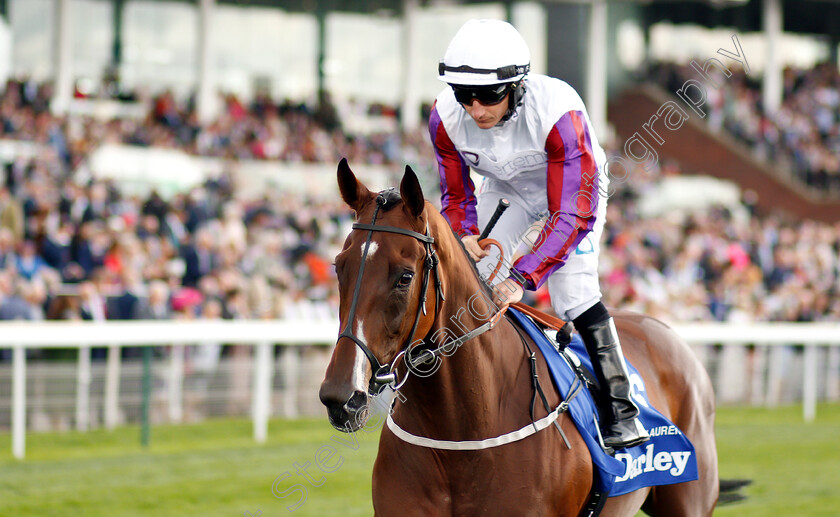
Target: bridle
[{"x": 384, "y": 374}]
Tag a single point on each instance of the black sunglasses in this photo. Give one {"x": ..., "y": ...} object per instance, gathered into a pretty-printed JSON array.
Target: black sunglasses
[{"x": 486, "y": 95}]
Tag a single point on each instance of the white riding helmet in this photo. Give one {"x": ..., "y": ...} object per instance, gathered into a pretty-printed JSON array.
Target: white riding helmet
[{"x": 485, "y": 52}]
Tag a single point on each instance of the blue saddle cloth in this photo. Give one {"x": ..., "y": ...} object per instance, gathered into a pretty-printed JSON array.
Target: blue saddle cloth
[{"x": 667, "y": 458}]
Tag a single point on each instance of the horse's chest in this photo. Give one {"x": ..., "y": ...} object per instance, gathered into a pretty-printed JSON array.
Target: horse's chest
[{"x": 498, "y": 488}]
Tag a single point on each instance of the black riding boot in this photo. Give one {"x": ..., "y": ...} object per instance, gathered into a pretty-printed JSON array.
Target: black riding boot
[{"x": 620, "y": 426}]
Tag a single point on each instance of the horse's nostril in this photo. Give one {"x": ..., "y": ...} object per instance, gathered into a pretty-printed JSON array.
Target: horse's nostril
[
  {"x": 357, "y": 401},
  {"x": 332, "y": 404}
]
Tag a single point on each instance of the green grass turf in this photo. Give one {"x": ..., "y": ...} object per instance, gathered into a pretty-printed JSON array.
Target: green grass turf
[
  {"x": 795, "y": 467},
  {"x": 215, "y": 468}
]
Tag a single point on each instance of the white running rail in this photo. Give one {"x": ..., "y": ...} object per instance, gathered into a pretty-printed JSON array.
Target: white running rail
[{"x": 20, "y": 336}]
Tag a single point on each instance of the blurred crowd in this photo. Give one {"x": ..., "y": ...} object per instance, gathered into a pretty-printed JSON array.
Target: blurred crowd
[
  {"x": 259, "y": 130},
  {"x": 88, "y": 252},
  {"x": 719, "y": 264},
  {"x": 75, "y": 247},
  {"x": 715, "y": 264},
  {"x": 803, "y": 133}
]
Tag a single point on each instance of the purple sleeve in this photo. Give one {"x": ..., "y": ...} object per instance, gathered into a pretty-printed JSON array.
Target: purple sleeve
[
  {"x": 457, "y": 190},
  {"x": 572, "y": 190}
]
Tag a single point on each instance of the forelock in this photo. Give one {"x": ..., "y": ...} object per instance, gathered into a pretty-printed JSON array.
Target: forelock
[{"x": 392, "y": 198}]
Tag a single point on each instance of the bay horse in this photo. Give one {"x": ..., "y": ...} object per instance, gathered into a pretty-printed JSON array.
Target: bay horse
[{"x": 404, "y": 281}]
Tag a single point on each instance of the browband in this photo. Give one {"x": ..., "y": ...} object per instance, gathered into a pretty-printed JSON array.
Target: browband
[{"x": 393, "y": 229}]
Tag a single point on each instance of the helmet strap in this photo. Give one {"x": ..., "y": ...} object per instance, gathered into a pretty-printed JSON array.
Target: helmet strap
[{"x": 517, "y": 91}]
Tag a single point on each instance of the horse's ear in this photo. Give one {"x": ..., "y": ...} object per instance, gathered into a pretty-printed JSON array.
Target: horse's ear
[
  {"x": 353, "y": 191},
  {"x": 411, "y": 193}
]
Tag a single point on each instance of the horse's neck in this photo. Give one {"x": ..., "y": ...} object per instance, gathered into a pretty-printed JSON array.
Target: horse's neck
[{"x": 463, "y": 395}]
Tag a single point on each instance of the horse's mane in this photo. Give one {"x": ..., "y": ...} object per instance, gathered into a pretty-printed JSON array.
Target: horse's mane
[
  {"x": 463, "y": 251},
  {"x": 484, "y": 287}
]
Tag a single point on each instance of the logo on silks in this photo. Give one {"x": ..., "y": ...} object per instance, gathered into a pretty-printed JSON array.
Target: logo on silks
[
  {"x": 585, "y": 247},
  {"x": 667, "y": 458}
]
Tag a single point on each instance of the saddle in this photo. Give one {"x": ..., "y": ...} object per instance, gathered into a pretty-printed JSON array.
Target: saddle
[
  {"x": 598, "y": 496},
  {"x": 542, "y": 318},
  {"x": 628, "y": 469},
  {"x": 563, "y": 339}
]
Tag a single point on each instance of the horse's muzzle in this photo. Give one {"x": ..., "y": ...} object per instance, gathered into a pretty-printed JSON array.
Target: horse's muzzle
[{"x": 347, "y": 414}]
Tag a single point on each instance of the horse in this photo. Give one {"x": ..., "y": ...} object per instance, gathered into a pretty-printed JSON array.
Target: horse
[{"x": 410, "y": 296}]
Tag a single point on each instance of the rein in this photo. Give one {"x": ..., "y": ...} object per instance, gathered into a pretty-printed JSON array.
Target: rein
[{"x": 385, "y": 374}]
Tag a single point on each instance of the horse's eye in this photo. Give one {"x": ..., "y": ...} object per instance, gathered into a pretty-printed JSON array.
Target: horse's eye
[{"x": 405, "y": 279}]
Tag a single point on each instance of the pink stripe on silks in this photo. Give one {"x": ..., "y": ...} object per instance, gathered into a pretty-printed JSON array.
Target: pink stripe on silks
[
  {"x": 457, "y": 199},
  {"x": 572, "y": 189}
]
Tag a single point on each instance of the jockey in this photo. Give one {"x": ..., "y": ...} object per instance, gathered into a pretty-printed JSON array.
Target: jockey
[{"x": 530, "y": 137}]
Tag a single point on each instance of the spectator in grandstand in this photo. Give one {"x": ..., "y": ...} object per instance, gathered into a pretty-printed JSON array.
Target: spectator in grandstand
[
  {"x": 200, "y": 208},
  {"x": 36, "y": 296},
  {"x": 530, "y": 137},
  {"x": 55, "y": 248},
  {"x": 88, "y": 249},
  {"x": 8, "y": 258},
  {"x": 13, "y": 306},
  {"x": 92, "y": 302},
  {"x": 232, "y": 287},
  {"x": 166, "y": 111},
  {"x": 11, "y": 214},
  {"x": 29, "y": 263},
  {"x": 803, "y": 133},
  {"x": 156, "y": 306},
  {"x": 125, "y": 305},
  {"x": 96, "y": 204},
  {"x": 200, "y": 258},
  {"x": 186, "y": 302},
  {"x": 234, "y": 233},
  {"x": 64, "y": 307}
]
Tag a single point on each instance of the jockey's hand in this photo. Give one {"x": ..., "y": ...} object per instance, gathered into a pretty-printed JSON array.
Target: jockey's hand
[
  {"x": 508, "y": 292},
  {"x": 472, "y": 247}
]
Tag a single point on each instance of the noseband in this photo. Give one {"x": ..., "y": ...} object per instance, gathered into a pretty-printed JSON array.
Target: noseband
[{"x": 385, "y": 374}]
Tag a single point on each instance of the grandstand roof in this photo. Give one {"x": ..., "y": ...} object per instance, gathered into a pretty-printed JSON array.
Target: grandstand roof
[{"x": 800, "y": 16}]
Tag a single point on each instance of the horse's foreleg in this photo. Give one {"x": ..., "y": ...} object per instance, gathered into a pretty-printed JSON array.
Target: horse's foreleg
[{"x": 402, "y": 487}]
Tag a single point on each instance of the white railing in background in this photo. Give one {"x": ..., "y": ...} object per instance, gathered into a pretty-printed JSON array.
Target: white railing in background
[
  {"x": 20, "y": 336},
  {"x": 734, "y": 336}
]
